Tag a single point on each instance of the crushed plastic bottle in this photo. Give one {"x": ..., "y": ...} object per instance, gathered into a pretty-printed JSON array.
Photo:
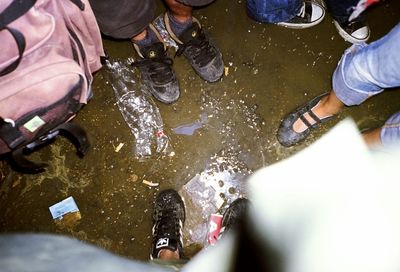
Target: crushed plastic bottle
[{"x": 138, "y": 110}]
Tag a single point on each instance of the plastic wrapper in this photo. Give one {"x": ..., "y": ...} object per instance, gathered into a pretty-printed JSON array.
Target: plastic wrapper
[
  {"x": 138, "y": 110},
  {"x": 210, "y": 192}
]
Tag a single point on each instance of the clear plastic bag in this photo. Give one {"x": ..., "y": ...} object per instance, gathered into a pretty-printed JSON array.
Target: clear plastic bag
[
  {"x": 212, "y": 191},
  {"x": 138, "y": 110}
]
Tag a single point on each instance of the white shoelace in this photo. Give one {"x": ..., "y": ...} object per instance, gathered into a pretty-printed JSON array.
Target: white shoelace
[{"x": 302, "y": 11}]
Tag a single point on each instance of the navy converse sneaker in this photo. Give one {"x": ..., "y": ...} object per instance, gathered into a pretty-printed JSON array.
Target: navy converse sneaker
[
  {"x": 156, "y": 70},
  {"x": 202, "y": 54},
  {"x": 168, "y": 220},
  {"x": 354, "y": 32},
  {"x": 311, "y": 13}
]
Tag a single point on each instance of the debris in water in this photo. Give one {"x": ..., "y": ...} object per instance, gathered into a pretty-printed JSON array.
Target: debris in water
[
  {"x": 66, "y": 213},
  {"x": 133, "y": 178},
  {"x": 118, "y": 148},
  {"x": 189, "y": 129},
  {"x": 226, "y": 70},
  {"x": 151, "y": 184}
]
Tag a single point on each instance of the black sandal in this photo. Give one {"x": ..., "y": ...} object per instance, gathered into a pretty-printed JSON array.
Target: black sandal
[{"x": 287, "y": 136}]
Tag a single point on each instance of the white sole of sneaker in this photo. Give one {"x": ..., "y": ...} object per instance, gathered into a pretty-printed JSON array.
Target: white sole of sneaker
[{"x": 347, "y": 37}]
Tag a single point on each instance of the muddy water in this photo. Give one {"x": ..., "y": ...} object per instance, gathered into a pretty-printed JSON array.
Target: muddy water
[{"x": 270, "y": 70}]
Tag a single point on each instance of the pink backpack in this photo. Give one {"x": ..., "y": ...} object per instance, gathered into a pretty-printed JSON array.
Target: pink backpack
[{"x": 49, "y": 50}]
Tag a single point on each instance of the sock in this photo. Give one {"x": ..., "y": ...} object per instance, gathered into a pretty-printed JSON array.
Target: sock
[
  {"x": 148, "y": 40},
  {"x": 177, "y": 27}
]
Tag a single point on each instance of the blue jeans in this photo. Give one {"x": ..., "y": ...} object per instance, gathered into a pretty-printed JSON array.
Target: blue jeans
[
  {"x": 366, "y": 70},
  {"x": 275, "y": 11}
]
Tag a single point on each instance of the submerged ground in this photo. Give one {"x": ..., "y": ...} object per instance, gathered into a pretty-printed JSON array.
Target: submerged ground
[{"x": 270, "y": 70}]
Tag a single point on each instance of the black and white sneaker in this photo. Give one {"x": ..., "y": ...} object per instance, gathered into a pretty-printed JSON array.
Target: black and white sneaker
[
  {"x": 202, "y": 54},
  {"x": 168, "y": 220},
  {"x": 311, "y": 13},
  {"x": 156, "y": 70},
  {"x": 354, "y": 32},
  {"x": 234, "y": 214}
]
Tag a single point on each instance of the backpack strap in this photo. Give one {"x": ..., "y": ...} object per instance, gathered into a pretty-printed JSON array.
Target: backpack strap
[
  {"x": 71, "y": 131},
  {"x": 10, "y": 134},
  {"x": 15, "y": 10}
]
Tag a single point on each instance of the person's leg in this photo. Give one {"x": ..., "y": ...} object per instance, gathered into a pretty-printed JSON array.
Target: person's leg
[
  {"x": 295, "y": 14},
  {"x": 131, "y": 19},
  {"x": 194, "y": 44},
  {"x": 274, "y": 11},
  {"x": 123, "y": 19},
  {"x": 354, "y": 31},
  {"x": 363, "y": 71},
  {"x": 386, "y": 135},
  {"x": 373, "y": 137},
  {"x": 341, "y": 9}
]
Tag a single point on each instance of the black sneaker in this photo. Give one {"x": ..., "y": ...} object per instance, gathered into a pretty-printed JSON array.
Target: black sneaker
[
  {"x": 354, "y": 32},
  {"x": 203, "y": 55},
  {"x": 310, "y": 14},
  {"x": 157, "y": 73},
  {"x": 233, "y": 215},
  {"x": 168, "y": 220}
]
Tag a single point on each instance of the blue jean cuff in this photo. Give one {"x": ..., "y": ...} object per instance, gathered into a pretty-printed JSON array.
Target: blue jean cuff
[
  {"x": 390, "y": 133},
  {"x": 340, "y": 81}
]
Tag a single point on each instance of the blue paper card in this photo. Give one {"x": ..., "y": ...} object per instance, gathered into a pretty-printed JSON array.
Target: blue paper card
[{"x": 68, "y": 205}]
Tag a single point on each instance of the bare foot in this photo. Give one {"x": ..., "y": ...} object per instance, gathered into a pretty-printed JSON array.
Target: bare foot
[{"x": 373, "y": 137}]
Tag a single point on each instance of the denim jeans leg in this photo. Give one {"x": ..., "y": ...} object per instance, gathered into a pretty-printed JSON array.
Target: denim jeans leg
[
  {"x": 341, "y": 9},
  {"x": 390, "y": 133},
  {"x": 365, "y": 70},
  {"x": 273, "y": 11}
]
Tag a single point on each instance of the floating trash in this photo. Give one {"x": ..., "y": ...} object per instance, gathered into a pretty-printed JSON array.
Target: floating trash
[
  {"x": 138, "y": 110},
  {"x": 211, "y": 192},
  {"x": 66, "y": 213},
  {"x": 190, "y": 129}
]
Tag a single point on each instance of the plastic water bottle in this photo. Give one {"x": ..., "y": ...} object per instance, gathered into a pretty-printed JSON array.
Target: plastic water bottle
[{"x": 138, "y": 110}]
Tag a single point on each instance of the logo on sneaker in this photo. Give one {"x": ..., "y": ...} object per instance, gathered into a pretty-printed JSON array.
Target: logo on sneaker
[
  {"x": 152, "y": 54},
  {"x": 162, "y": 242}
]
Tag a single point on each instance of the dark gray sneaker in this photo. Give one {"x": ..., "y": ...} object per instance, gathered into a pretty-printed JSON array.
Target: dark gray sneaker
[
  {"x": 168, "y": 220},
  {"x": 157, "y": 73},
  {"x": 202, "y": 54}
]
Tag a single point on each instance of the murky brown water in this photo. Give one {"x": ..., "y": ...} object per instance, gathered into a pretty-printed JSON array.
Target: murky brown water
[{"x": 271, "y": 71}]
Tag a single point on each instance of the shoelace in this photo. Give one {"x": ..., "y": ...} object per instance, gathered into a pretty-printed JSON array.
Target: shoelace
[
  {"x": 168, "y": 224},
  {"x": 302, "y": 11},
  {"x": 200, "y": 49},
  {"x": 159, "y": 68}
]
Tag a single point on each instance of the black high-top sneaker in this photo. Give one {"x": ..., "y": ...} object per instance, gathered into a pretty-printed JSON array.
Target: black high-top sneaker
[
  {"x": 156, "y": 70},
  {"x": 168, "y": 220},
  {"x": 202, "y": 54}
]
